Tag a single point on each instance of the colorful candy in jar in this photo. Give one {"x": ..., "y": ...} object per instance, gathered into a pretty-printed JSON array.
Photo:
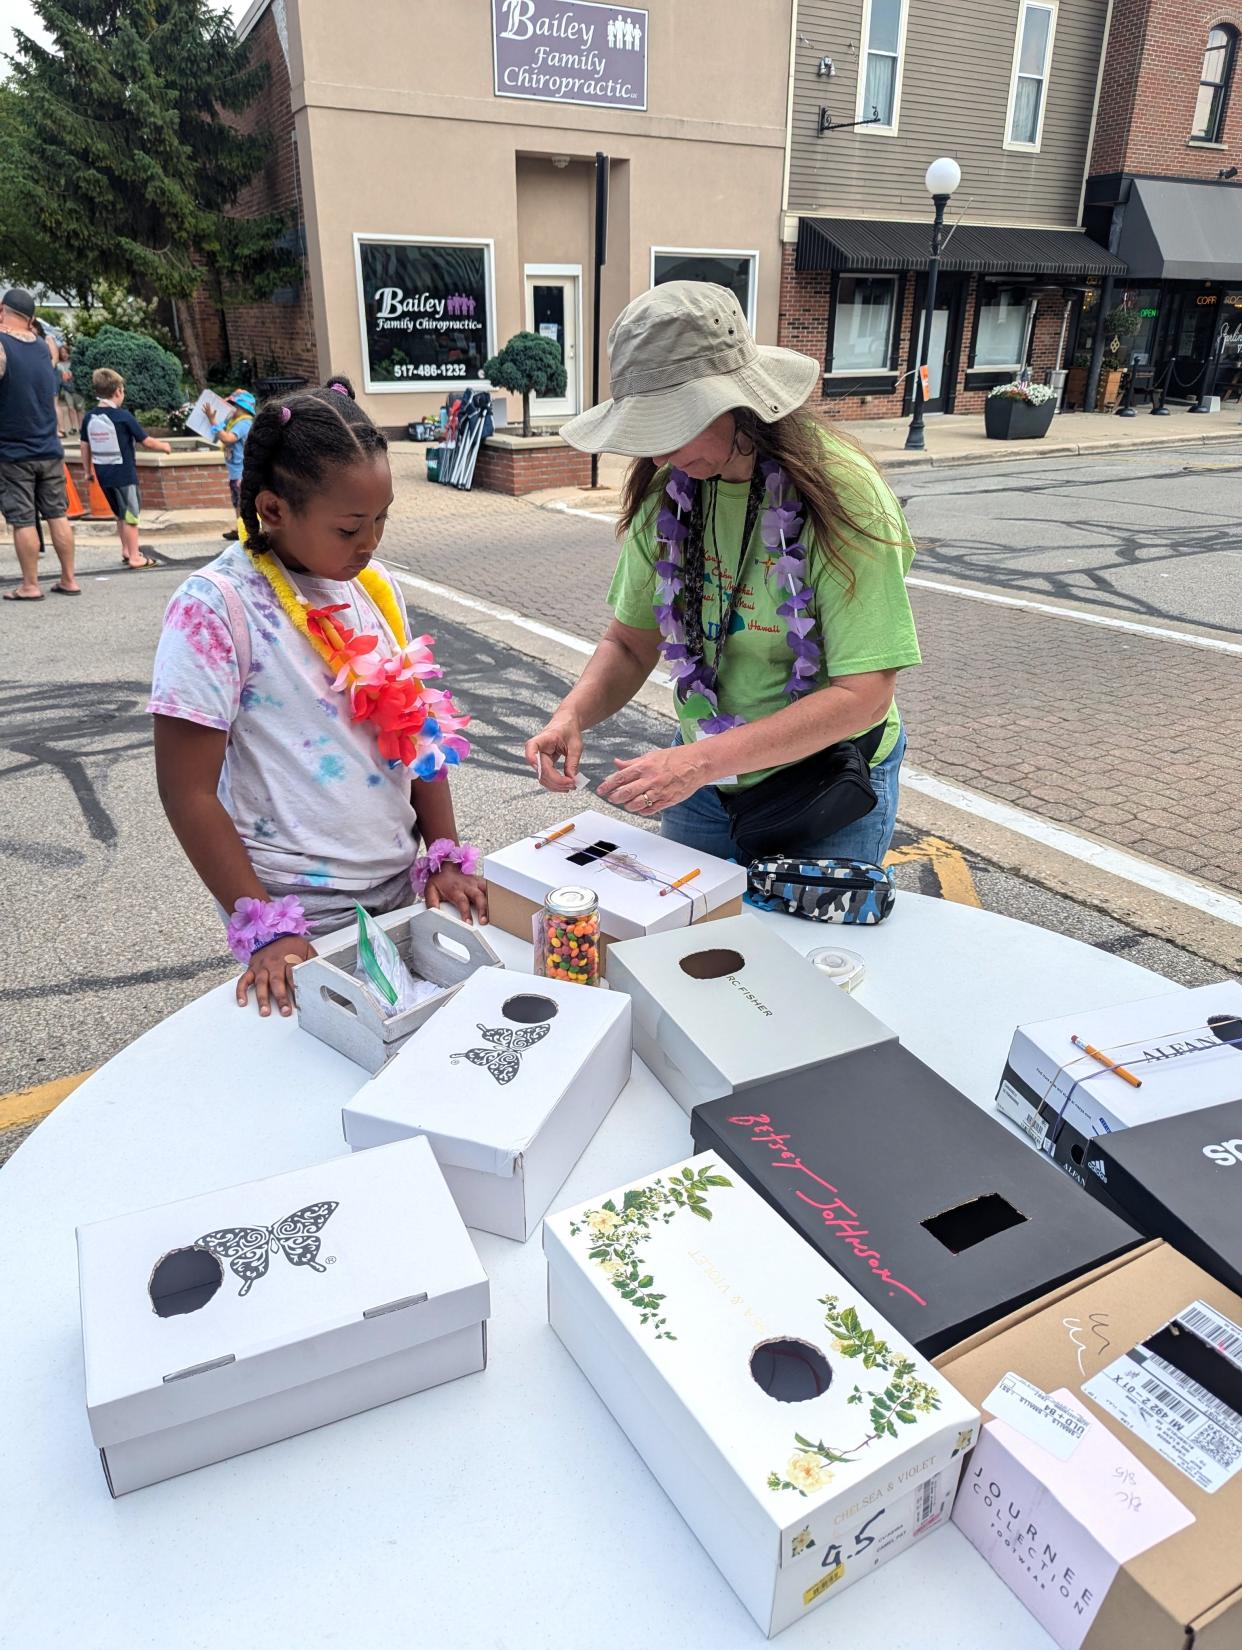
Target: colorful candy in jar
[{"x": 569, "y": 937}]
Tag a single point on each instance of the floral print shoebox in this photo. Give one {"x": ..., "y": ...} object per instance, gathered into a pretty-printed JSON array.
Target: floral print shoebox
[{"x": 801, "y": 1438}]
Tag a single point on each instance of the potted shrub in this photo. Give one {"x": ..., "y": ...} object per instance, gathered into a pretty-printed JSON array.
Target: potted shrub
[
  {"x": 528, "y": 365},
  {"x": 1019, "y": 412},
  {"x": 1076, "y": 380}
]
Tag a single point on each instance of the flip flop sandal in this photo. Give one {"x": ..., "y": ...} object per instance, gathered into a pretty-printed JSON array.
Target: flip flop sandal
[
  {"x": 137, "y": 566},
  {"x": 59, "y": 590},
  {"x": 14, "y": 596}
]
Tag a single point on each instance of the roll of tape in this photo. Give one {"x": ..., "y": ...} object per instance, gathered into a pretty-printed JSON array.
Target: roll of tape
[{"x": 843, "y": 968}]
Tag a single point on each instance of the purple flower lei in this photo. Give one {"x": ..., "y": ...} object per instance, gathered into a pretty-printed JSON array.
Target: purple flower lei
[{"x": 780, "y": 529}]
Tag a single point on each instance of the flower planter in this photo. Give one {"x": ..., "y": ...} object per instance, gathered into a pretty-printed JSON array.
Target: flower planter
[{"x": 1009, "y": 418}]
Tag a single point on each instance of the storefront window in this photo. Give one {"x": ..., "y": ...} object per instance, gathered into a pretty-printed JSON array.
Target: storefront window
[
  {"x": 862, "y": 331},
  {"x": 736, "y": 270},
  {"x": 426, "y": 312},
  {"x": 1231, "y": 329},
  {"x": 1002, "y": 327}
]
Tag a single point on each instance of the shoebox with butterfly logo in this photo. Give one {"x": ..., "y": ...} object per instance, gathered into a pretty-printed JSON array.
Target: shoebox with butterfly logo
[
  {"x": 644, "y": 883},
  {"x": 940, "y": 1216},
  {"x": 508, "y": 1081},
  {"x": 231, "y": 1320},
  {"x": 734, "y": 1008},
  {"x": 802, "y": 1439},
  {"x": 1180, "y": 1179},
  {"x": 1098, "y": 1071},
  {"x": 1106, "y": 1486}
]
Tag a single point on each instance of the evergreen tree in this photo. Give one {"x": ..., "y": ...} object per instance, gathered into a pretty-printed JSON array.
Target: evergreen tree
[{"x": 125, "y": 161}]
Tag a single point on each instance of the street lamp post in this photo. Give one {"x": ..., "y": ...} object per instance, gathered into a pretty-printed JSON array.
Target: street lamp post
[{"x": 943, "y": 177}]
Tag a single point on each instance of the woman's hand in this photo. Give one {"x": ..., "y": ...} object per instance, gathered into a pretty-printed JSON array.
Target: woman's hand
[
  {"x": 451, "y": 886},
  {"x": 560, "y": 741},
  {"x": 270, "y": 972},
  {"x": 660, "y": 779}
]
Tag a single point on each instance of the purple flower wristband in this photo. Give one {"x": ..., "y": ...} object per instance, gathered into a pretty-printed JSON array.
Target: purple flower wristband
[
  {"x": 257, "y": 922},
  {"x": 443, "y": 851}
]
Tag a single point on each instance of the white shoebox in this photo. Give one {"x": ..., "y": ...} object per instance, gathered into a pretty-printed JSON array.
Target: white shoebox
[
  {"x": 508, "y": 1081},
  {"x": 736, "y": 1359},
  {"x": 734, "y": 1008},
  {"x": 1184, "y": 1047},
  {"x": 232, "y": 1320},
  {"x": 628, "y": 868}
]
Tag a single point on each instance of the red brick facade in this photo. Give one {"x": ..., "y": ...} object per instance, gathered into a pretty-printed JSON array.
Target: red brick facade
[
  {"x": 1150, "y": 84},
  {"x": 513, "y": 468},
  {"x": 187, "y": 486},
  {"x": 278, "y": 339}
]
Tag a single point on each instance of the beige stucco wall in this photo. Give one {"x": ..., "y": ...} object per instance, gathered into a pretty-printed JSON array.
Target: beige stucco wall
[{"x": 401, "y": 134}]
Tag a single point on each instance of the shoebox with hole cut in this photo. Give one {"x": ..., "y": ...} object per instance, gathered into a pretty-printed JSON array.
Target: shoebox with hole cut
[
  {"x": 1182, "y": 1051},
  {"x": 1106, "y": 1486},
  {"x": 937, "y": 1214},
  {"x": 1179, "y": 1179},
  {"x": 800, "y": 1437},
  {"x": 734, "y": 1008},
  {"x": 227, "y": 1321},
  {"x": 632, "y": 872},
  {"x": 508, "y": 1081}
]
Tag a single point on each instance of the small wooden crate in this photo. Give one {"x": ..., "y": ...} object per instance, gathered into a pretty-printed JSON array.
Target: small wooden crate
[{"x": 335, "y": 1006}]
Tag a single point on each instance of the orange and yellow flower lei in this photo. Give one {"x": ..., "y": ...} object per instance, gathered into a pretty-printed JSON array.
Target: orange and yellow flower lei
[{"x": 416, "y": 725}]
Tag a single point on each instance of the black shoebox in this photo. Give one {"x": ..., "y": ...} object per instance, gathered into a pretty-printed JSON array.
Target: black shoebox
[
  {"x": 934, "y": 1211},
  {"x": 1179, "y": 1178}
]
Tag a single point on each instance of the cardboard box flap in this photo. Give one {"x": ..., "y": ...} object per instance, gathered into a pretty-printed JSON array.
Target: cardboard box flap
[
  {"x": 762, "y": 1342},
  {"x": 485, "y": 1074},
  {"x": 751, "y": 1005},
  {"x": 194, "y": 1307},
  {"x": 1074, "y": 1343},
  {"x": 626, "y": 866}
]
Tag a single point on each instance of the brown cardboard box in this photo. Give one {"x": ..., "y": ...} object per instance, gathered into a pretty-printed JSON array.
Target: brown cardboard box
[
  {"x": 514, "y": 913},
  {"x": 1185, "y": 1589}
]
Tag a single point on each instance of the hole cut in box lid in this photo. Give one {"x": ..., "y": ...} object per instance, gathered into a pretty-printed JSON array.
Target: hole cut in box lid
[{"x": 974, "y": 1221}]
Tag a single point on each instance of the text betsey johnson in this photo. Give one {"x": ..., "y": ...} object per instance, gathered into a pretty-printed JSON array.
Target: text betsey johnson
[{"x": 839, "y": 1219}]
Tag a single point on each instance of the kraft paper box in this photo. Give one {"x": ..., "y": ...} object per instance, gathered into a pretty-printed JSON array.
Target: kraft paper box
[
  {"x": 802, "y": 1440},
  {"x": 1185, "y": 1048},
  {"x": 734, "y": 1008},
  {"x": 936, "y": 1213},
  {"x": 624, "y": 865},
  {"x": 508, "y": 1081},
  {"x": 231, "y": 1320},
  {"x": 1106, "y": 1487},
  {"x": 1180, "y": 1179}
]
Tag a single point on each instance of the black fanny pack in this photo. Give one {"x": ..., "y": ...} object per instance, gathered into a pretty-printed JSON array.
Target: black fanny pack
[{"x": 797, "y": 807}]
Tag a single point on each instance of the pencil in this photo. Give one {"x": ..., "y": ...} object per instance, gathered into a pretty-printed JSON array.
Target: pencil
[
  {"x": 1126, "y": 1076},
  {"x": 681, "y": 882},
  {"x": 563, "y": 831}
]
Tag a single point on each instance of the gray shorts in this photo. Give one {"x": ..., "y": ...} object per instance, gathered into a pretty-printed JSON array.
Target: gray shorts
[{"x": 28, "y": 485}]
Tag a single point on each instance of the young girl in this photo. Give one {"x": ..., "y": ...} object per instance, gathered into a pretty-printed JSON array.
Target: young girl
[{"x": 300, "y": 752}]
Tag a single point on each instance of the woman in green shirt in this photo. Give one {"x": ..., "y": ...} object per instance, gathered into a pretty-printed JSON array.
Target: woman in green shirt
[{"x": 764, "y": 558}]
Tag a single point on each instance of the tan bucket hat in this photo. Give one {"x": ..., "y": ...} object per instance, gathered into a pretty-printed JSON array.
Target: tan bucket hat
[{"x": 680, "y": 355}]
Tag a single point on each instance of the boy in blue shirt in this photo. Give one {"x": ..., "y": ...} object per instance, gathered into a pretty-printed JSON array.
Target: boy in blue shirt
[
  {"x": 109, "y": 436},
  {"x": 232, "y": 437}
]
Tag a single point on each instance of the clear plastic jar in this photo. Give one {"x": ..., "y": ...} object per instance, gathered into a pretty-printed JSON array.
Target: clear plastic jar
[{"x": 567, "y": 936}]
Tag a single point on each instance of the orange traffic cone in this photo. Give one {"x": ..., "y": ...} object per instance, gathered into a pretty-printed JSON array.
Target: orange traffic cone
[
  {"x": 76, "y": 507},
  {"x": 99, "y": 504}
]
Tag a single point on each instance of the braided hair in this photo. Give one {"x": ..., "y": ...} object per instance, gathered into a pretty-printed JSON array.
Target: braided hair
[{"x": 293, "y": 446}]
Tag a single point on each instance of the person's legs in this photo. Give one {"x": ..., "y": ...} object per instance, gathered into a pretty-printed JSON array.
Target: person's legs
[
  {"x": 62, "y": 543},
  {"x": 52, "y": 503},
  {"x": 128, "y": 534},
  {"x": 26, "y": 543}
]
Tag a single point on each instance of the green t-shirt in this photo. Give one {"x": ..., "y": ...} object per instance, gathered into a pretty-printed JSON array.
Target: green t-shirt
[{"x": 868, "y": 628}]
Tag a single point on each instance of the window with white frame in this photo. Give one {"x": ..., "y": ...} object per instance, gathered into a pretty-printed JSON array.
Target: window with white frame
[
  {"x": 879, "y": 80},
  {"x": 1028, "y": 88},
  {"x": 1214, "y": 78},
  {"x": 862, "y": 329},
  {"x": 1002, "y": 327},
  {"x": 736, "y": 270}
]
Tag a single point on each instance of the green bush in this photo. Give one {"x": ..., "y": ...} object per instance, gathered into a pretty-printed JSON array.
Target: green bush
[
  {"x": 151, "y": 418},
  {"x": 528, "y": 365},
  {"x": 152, "y": 376}
]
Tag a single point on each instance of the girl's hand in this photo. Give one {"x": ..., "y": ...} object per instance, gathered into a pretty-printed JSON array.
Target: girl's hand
[
  {"x": 648, "y": 784},
  {"x": 451, "y": 886},
  {"x": 271, "y": 974},
  {"x": 560, "y": 741}
]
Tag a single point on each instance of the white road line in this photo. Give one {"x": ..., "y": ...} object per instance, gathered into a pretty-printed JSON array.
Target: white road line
[
  {"x": 1157, "y": 878},
  {"x": 1209, "y": 644},
  {"x": 591, "y": 515}
]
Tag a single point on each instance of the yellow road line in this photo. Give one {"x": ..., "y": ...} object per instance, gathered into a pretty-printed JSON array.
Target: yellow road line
[
  {"x": 948, "y": 864},
  {"x": 26, "y": 1106}
]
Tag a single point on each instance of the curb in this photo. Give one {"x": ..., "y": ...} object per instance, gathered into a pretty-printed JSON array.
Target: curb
[{"x": 1032, "y": 452}]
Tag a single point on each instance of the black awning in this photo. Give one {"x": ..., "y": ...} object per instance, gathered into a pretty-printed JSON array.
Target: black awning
[
  {"x": 1174, "y": 231},
  {"x": 860, "y": 245}
]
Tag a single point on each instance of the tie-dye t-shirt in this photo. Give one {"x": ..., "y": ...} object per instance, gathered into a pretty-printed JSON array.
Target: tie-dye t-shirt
[{"x": 314, "y": 804}]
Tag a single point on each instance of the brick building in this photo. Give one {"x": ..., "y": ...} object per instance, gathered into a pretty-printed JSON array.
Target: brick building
[{"x": 1165, "y": 193}]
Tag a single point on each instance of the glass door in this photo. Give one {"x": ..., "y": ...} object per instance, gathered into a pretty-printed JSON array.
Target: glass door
[{"x": 552, "y": 312}]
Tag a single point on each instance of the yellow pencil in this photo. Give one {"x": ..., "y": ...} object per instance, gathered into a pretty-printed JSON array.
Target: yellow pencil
[
  {"x": 681, "y": 882},
  {"x": 1128, "y": 1076},
  {"x": 564, "y": 831}
]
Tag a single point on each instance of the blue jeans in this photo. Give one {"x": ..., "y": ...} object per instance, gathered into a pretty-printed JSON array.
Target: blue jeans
[{"x": 702, "y": 822}]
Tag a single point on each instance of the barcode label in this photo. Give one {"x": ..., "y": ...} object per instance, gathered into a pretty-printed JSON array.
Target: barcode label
[
  {"x": 928, "y": 1498},
  {"x": 1170, "y": 1400},
  {"x": 1023, "y": 1113},
  {"x": 1226, "y": 1337}
]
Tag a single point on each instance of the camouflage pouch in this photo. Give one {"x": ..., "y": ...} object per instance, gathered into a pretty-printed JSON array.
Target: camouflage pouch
[{"x": 822, "y": 890}]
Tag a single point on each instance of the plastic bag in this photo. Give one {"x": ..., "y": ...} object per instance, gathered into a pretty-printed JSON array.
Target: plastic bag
[{"x": 381, "y": 970}]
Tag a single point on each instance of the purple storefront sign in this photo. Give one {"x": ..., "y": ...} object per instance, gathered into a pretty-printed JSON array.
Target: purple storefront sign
[{"x": 570, "y": 51}]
